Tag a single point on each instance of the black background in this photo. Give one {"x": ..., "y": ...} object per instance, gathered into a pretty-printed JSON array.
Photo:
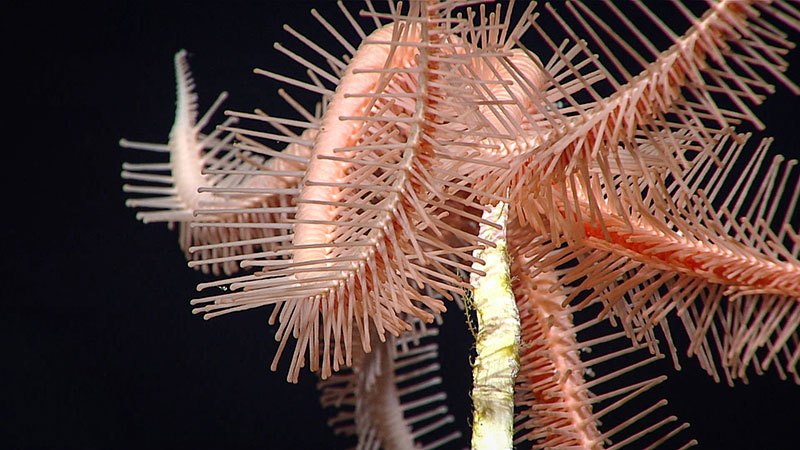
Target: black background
[{"x": 99, "y": 348}]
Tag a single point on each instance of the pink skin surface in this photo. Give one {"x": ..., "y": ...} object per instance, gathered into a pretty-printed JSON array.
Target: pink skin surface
[{"x": 336, "y": 133}]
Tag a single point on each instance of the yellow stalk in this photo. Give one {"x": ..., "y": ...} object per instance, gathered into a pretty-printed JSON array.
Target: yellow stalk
[{"x": 497, "y": 344}]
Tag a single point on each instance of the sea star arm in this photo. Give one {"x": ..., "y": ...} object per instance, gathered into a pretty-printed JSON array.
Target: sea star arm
[
  {"x": 391, "y": 397},
  {"x": 222, "y": 180},
  {"x": 642, "y": 175},
  {"x": 576, "y": 371}
]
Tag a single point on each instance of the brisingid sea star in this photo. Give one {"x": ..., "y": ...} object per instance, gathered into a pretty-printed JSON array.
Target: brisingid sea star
[{"x": 617, "y": 172}]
